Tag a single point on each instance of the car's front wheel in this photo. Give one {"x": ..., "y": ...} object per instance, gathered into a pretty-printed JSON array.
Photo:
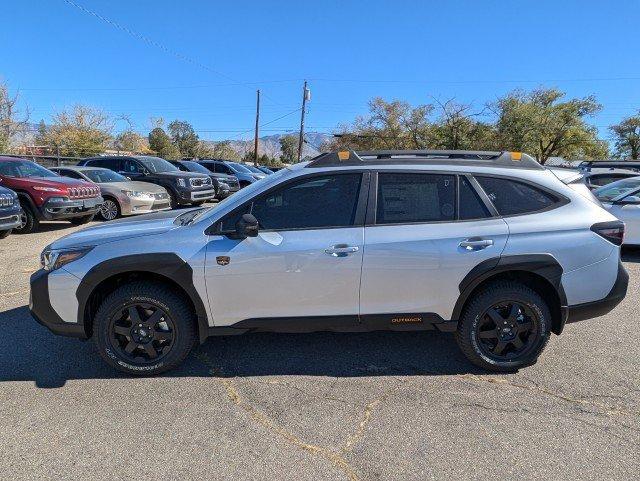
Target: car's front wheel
[
  {"x": 504, "y": 327},
  {"x": 4, "y": 233},
  {"x": 109, "y": 209},
  {"x": 85, "y": 219},
  {"x": 144, "y": 328}
]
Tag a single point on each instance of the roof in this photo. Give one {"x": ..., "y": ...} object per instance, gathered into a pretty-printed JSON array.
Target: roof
[{"x": 439, "y": 157}]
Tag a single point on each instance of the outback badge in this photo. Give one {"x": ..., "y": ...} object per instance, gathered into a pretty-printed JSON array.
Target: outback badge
[{"x": 223, "y": 260}]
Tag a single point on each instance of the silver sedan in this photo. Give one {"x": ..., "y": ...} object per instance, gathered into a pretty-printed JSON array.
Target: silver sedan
[{"x": 122, "y": 196}]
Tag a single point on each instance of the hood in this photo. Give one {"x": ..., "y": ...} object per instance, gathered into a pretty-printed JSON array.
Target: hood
[
  {"x": 48, "y": 181},
  {"x": 135, "y": 186},
  {"x": 179, "y": 174},
  {"x": 143, "y": 225}
]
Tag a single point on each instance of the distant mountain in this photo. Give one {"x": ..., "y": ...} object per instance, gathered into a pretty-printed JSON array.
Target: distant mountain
[{"x": 270, "y": 144}]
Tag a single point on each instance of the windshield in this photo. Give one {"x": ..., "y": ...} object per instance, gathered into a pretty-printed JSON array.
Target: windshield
[
  {"x": 100, "y": 176},
  {"x": 195, "y": 167},
  {"x": 253, "y": 169},
  {"x": 156, "y": 164},
  {"x": 24, "y": 168},
  {"x": 616, "y": 189},
  {"x": 241, "y": 169}
]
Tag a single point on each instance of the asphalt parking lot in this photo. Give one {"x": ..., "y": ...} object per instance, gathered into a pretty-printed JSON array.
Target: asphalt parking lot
[{"x": 320, "y": 406}]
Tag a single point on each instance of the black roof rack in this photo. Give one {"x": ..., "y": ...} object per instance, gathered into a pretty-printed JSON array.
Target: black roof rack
[{"x": 457, "y": 157}]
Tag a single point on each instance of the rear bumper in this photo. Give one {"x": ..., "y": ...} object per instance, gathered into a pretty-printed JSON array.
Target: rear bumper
[
  {"x": 44, "y": 313},
  {"x": 589, "y": 310},
  {"x": 68, "y": 209}
]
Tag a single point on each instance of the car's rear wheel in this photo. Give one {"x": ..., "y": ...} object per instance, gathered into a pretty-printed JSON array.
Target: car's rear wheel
[
  {"x": 144, "y": 329},
  {"x": 504, "y": 327},
  {"x": 110, "y": 209},
  {"x": 28, "y": 221}
]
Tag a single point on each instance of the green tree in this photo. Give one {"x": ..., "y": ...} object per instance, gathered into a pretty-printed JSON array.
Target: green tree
[
  {"x": 224, "y": 150},
  {"x": 161, "y": 144},
  {"x": 184, "y": 137},
  {"x": 541, "y": 123},
  {"x": 627, "y": 137},
  {"x": 289, "y": 148},
  {"x": 80, "y": 131}
]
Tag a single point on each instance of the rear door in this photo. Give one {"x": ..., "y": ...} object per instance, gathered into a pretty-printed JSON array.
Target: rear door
[{"x": 425, "y": 232}]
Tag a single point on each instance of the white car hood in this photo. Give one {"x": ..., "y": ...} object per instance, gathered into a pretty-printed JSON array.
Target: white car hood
[{"x": 126, "y": 228}]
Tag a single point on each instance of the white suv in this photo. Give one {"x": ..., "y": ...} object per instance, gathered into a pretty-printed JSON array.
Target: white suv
[{"x": 489, "y": 245}]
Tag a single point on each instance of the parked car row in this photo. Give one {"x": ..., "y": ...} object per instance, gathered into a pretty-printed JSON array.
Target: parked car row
[{"x": 110, "y": 187}]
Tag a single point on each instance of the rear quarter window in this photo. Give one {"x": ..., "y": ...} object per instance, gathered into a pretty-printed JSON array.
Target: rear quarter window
[{"x": 511, "y": 197}]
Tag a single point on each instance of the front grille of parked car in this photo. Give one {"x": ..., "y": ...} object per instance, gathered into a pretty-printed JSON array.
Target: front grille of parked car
[
  {"x": 198, "y": 182},
  {"x": 83, "y": 192},
  {"x": 6, "y": 200}
]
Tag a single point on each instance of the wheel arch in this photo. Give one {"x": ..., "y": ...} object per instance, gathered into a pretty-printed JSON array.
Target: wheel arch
[
  {"x": 166, "y": 268},
  {"x": 540, "y": 272}
]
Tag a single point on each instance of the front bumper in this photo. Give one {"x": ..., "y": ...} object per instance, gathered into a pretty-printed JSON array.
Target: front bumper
[
  {"x": 589, "y": 310},
  {"x": 44, "y": 313},
  {"x": 140, "y": 206},
  {"x": 70, "y": 208},
  {"x": 10, "y": 217},
  {"x": 189, "y": 196}
]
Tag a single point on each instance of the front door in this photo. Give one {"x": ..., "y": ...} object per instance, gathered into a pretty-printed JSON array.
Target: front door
[
  {"x": 303, "y": 268},
  {"x": 428, "y": 233}
]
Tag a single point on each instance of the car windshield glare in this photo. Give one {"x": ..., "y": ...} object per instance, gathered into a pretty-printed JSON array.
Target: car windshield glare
[
  {"x": 195, "y": 167},
  {"x": 102, "y": 176},
  {"x": 157, "y": 165},
  {"x": 238, "y": 168},
  {"x": 617, "y": 189},
  {"x": 19, "y": 168}
]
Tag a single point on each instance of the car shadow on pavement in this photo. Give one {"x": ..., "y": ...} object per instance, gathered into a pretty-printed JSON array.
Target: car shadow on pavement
[
  {"x": 29, "y": 352},
  {"x": 630, "y": 254}
]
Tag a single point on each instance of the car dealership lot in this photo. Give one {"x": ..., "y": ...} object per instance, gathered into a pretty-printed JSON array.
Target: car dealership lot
[{"x": 320, "y": 406}]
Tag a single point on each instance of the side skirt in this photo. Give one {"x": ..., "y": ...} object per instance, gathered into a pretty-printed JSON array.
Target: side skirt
[{"x": 347, "y": 323}]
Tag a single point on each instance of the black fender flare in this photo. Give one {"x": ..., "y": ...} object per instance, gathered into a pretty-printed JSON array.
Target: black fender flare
[
  {"x": 168, "y": 265},
  {"x": 544, "y": 265}
]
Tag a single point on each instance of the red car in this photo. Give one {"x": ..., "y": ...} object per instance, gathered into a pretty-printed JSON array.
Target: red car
[{"x": 44, "y": 195}]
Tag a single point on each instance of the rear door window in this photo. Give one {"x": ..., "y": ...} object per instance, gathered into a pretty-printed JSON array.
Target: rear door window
[
  {"x": 511, "y": 197},
  {"x": 471, "y": 207},
  {"x": 405, "y": 198}
]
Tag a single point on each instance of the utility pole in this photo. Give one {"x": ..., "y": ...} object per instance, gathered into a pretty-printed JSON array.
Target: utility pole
[
  {"x": 306, "y": 95},
  {"x": 57, "y": 155},
  {"x": 255, "y": 140}
]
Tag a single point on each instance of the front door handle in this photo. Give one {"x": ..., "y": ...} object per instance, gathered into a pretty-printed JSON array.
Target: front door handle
[
  {"x": 475, "y": 244},
  {"x": 341, "y": 250}
]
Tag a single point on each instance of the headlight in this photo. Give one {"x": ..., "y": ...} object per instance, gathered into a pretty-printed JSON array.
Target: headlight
[
  {"x": 52, "y": 259},
  {"x": 223, "y": 185},
  {"x": 47, "y": 189},
  {"x": 181, "y": 183}
]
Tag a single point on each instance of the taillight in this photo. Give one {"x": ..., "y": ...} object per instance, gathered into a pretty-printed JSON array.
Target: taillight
[{"x": 612, "y": 231}]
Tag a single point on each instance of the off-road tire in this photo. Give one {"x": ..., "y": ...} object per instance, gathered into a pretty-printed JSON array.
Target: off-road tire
[
  {"x": 158, "y": 294},
  {"x": 494, "y": 293}
]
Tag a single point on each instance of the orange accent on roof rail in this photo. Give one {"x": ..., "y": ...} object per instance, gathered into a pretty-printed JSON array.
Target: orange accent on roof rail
[
  {"x": 343, "y": 155},
  {"x": 516, "y": 155}
]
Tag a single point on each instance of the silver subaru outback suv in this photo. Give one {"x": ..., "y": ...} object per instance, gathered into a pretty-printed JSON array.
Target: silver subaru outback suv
[{"x": 489, "y": 245}]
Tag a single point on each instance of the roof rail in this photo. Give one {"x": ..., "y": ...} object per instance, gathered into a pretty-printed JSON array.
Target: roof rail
[{"x": 469, "y": 157}]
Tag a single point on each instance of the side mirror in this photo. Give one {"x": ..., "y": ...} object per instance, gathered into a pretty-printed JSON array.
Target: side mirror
[{"x": 247, "y": 226}]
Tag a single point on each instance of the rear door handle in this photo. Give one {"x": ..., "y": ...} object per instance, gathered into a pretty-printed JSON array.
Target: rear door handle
[
  {"x": 341, "y": 250},
  {"x": 475, "y": 244}
]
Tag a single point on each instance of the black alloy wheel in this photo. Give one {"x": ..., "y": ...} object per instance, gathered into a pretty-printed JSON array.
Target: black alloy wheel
[
  {"x": 142, "y": 333},
  {"x": 507, "y": 330}
]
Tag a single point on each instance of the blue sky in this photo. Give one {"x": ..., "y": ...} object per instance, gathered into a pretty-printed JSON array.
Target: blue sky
[{"x": 350, "y": 51}]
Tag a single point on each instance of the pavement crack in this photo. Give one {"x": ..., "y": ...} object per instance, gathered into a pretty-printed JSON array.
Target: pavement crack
[
  {"x": 262, "y": 419},
  {"x": 357, "y": 435},
  {"x": 608, "y": 409}
]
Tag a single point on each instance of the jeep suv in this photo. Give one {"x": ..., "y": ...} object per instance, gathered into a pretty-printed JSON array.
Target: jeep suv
[
  {"x": 44, "y": 195},
  {"x": 184, "y": 188},
  {"x": 489, "y": 245},
  {"x": 9, "y": 212}
]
